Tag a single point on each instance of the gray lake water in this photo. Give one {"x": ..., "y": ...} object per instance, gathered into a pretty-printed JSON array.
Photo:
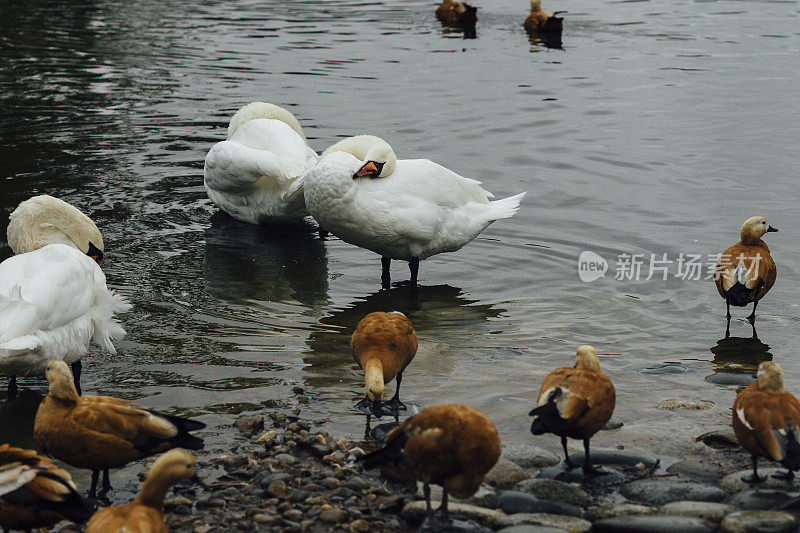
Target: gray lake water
[{"x": 658, "y": 128}]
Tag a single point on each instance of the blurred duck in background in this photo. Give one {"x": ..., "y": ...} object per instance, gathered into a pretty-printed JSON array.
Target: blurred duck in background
[{"x": 35, "y": 493}]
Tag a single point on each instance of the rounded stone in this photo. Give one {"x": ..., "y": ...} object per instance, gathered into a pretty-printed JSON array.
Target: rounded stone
[
  {"x": 551, "y": 489},
  {"x": 359, "y": 526},
  {"x": 621, "y": 509},
  {"x": 505, "y": 474},
  {"x": 661, "y": 491},
  {"x": 529, "y": 456},
  {"x": 333, "y": 516},
  {"x": 570, "y": 523},
  {"x": 277, "y": 489},
  {"x": 761, "y": 499},
  {"x": 734, "y": 482},
  {"x": 693, "y": 404},
  {"x": 513, "y": 502},
  {"x": 711, "y": 511},
  {"x": 651, "y": 524},
  {"x": 759, "y": 522}
]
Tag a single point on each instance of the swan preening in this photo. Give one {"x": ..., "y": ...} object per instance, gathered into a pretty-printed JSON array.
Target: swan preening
[
  {"x": 408, "y": 209},
  {"x": 53, "y": 295},
  {"x": 254, "y": 175}
]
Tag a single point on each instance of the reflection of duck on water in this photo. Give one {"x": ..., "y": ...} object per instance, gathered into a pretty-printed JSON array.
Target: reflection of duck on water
[
  {"x": 245, "y": 262},
  {"x": 736, "y": 359},
  {"x": 434, "y": 310}
]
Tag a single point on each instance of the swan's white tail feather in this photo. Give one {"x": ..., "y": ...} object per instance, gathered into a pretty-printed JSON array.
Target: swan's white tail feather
[
  {"x": 505, "y": 208},
  {"x": 106, "y": 329}
]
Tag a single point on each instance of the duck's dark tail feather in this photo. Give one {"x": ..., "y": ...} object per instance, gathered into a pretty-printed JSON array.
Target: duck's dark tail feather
[
  {"x": 547, "y": 418},
  {"x": 739, "y": 295},
  {"x": 392, "y": 453},
  {"x": 791, "y": 448},
  {"x": 73, "y": 507}
]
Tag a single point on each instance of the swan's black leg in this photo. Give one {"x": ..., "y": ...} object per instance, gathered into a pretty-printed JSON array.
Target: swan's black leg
[
  {"x": 385, "y": 276},
  {"x": 12, "y": 388},
  {"x": 413, "y": 265}
]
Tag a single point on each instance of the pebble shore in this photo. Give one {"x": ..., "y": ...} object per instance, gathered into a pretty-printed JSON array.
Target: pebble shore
[{"x": 285, "y": 476}]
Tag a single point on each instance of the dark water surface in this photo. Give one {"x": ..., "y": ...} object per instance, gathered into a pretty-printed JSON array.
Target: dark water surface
[{"x": 658, "y": 128}]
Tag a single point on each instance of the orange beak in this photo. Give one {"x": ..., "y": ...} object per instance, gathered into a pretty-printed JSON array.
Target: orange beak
[
  {"x": 368, "y": 169},
  {"x": 96, "y": 258}
]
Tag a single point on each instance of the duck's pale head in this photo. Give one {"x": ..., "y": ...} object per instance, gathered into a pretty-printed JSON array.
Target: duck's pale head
[
  {"x": 770, "y": 377},
  {"x": 173, "y": 466},
  {"x": 59, "y": 377},
  {"x": 754, "y": 228},
  {"x": 44, "y": 220},
  {"x": 586, "y": 358},
  {"x": 379, "y": 160}
]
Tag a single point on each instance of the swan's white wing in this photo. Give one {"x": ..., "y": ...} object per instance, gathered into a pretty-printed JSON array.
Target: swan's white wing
[
  {"x": 47, "y": 293},
  {"x": 430, "y": 182},
  {"x": 278, "y": 138},
  {"x": 234, "y": 168}
]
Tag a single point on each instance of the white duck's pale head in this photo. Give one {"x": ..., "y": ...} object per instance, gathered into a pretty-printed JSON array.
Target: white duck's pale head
[
  {"x": 44, "y": 220},
  {"x": 378, "y": 157},
  {"x": 754, "y": 228}
]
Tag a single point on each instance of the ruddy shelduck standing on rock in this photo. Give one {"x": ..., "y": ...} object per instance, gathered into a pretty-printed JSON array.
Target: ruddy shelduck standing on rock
[
  {"x": 745, "y": 271},
  {"x": 102, "y": 432},
  {"x": 576, "y": 403},
  {"x": 383, "y": 345},
  {"x": 36, "y": 493},
  {"x": 452, "y": 445},
  {"x": 53, "y": 295},
  {"x": 766, "y": 419},
  {"x": 543, "y": 22},
  {"x": 457, "y": 13},
  {"x": 143, "y": 515}
]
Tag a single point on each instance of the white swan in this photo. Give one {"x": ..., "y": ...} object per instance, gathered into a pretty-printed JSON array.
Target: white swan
[
  {"x": 53, "y": 294},
  {"x": 407, "y": 209},
  {"x": 255, "y": 175}
]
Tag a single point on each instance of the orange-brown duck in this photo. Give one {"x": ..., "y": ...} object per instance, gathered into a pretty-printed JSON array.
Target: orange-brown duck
[
  {"x": 765, "y": 419},
  {"x": 143, "y": 515},
  {"x": 745, "y": 271},
  {"x": 575, "y": 402},
  {"x": 102, "y": 432},
  {"x": 383, "y": 345},
  {"x": 35, "y": 493},
  {"x": 449, "y": 445}
]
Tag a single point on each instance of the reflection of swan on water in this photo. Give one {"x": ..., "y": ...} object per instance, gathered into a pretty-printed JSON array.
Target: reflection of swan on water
[
  {"x": 244, "y": 262},
  {"x": 437, "y": 312}
]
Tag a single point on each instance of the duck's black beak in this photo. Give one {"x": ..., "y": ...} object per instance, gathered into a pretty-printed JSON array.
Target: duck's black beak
[
  {"x": 375, "y": 408},
  {"x": 771, "y": 229}
]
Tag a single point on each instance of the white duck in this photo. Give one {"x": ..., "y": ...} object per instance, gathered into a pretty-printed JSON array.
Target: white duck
[
  {"x": 407, "y": 209},
  {"x": 254, "y": 175},
  {"x": 53, "y": 294}
]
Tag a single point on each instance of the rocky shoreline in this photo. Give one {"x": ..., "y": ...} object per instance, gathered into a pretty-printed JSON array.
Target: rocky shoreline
[{"x": 283, "y": 475}]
